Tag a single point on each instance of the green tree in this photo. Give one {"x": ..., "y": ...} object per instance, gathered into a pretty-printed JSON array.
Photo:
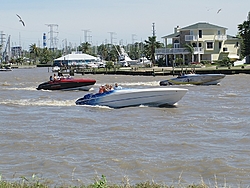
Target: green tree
[
  {"x": 151, "y": 45},
  {"x": 113, "y": 54},
  {"x": 85, "y": 47},
  {"x": 190, "y": 49},
  {"x": 102, "y": 50},
  {"x": 45, "y": 56},
  {"x": 34, "y": 52},
  {"x": 244, "y": 33}
]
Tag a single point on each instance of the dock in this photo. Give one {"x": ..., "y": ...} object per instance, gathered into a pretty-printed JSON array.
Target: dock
[{"x": 157, "y": 71}]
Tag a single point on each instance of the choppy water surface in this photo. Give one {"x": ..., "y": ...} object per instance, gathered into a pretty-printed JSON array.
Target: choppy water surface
[{"x": 44, "y": 133}]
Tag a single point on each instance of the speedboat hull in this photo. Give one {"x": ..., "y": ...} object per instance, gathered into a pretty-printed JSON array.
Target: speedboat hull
[
  {"x": 157, "y": 97},
  {"x": 68, "y": 84},
  {"x": 195, "y": 79}
]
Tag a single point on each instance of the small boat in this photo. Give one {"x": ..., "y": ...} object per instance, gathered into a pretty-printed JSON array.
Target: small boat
[
  {"x": 195, "y": 79},
  {"x": 68, "y": 84},
  {"x": 56, "y": 69},
  {"x": 156, "y": 97},
  {"x": 6, "y": 69}
]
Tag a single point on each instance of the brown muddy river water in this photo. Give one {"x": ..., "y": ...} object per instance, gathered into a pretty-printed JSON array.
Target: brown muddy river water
[{"x": 206, "y": 136}]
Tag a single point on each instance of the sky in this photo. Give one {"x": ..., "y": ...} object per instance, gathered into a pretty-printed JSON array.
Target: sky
[{"x": 102, "y": 21}]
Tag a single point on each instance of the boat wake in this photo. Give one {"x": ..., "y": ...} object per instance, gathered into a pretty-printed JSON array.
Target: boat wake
[
  {"x": 153, "y": 83},
  {"x": 5, "y": 84},
  {"x": 21, "y": 88},
  {"x": 39, "y": 102}
]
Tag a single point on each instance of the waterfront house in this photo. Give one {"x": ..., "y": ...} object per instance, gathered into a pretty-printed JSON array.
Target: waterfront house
[{"x": 208, "y": 43}]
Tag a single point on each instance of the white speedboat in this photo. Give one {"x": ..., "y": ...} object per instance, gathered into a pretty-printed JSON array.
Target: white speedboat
[
  {"x": 5, "y": 69},
  {"x": 195, "y": 79},
  {"x": 158, "y": 97}
]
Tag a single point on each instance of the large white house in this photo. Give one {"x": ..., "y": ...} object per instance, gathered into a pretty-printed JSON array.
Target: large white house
[{"x": 210, "y": 43}]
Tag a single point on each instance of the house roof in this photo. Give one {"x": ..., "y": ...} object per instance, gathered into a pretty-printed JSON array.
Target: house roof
[
  {"x": 199, "y": 25},
  {"x": 76, "y": 57},
  {"x": 233, "y": 37},
  {"x": 202, "y": 25},
  {"x": 177, "y": 34}
]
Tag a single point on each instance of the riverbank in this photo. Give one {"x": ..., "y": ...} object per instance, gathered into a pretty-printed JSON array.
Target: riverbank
[
  {"x": 161, "y": 71},
  {"x": 36, "y": 182},
  {"x": 148, "y": 71}
]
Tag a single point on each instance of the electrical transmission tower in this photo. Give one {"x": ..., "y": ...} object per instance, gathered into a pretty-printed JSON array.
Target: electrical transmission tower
[
  {"x": 87, "y": 38},
  {"x": 53, "y": 40},
  {"x": 112, "y": 37},
  {"x": 2, "y": 38}
]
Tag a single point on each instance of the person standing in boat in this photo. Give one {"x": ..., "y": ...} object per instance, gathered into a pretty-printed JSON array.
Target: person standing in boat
[{"x": 55, "y": 77}]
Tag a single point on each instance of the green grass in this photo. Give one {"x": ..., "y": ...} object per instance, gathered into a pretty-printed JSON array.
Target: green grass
[{"x": 35, "y": 182}]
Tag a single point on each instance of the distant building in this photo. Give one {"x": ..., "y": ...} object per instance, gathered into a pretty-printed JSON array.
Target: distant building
[
  {"x": 210, "y": 43},
  {"x": 77, "y": 59},
  {"x": 16, "y": 51}
]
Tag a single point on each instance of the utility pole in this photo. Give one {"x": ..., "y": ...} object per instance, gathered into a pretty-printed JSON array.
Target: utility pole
[
  {"x": 65, "y": 51},
  {"x": 133, "y": 38},
  {"x": 153, "y": 29},
  {"x": 53, "y": 40}
]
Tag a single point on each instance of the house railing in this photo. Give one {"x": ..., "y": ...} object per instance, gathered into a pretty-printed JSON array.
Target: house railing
[
  {"x": 191, "y": 38},
  {"x": 162, "y": 51},
  {"x": 220, "y": 37}
]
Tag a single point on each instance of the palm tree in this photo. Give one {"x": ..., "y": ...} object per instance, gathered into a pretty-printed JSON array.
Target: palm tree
[
  {"x": 35, "y": 51},
  {"x": 113, "y": 54},
  {"x": 151, "y": 45},
  {"x": 46, "y": 56},
  {"x": 190, "y": 49},
  {"x": 244, "y": 32},
  {"x": 85, "y": 47},
  {"x": 102, "y": 50}
]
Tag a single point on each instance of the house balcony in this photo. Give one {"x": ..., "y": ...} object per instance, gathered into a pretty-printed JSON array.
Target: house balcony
[
  {"x": 220, "y": 37},
  {"x": 167, "y": 51},
  {"x": 198, "y": 50},
  {"x": 191, "y": 38}
]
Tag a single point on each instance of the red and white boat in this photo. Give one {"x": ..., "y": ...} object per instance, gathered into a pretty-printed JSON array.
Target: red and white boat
[{"x": 70, "y": 83}]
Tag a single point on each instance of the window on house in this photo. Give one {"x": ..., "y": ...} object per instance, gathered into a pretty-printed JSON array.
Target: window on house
[
  {"x": 176, "y": 41},
  {"x": 220, "y": 43},
  {"x": 194, "y": 45},
  {"x": 219, "y": 33},
  {"x": 200, "y": 33},
  {"x": 224, "y": 49},
  {"x": 200, "y": 45},
  {"x": 237, "y": 44},
  {"x": 176, "y": 45},
  {"x": 210, "y": 45}
]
